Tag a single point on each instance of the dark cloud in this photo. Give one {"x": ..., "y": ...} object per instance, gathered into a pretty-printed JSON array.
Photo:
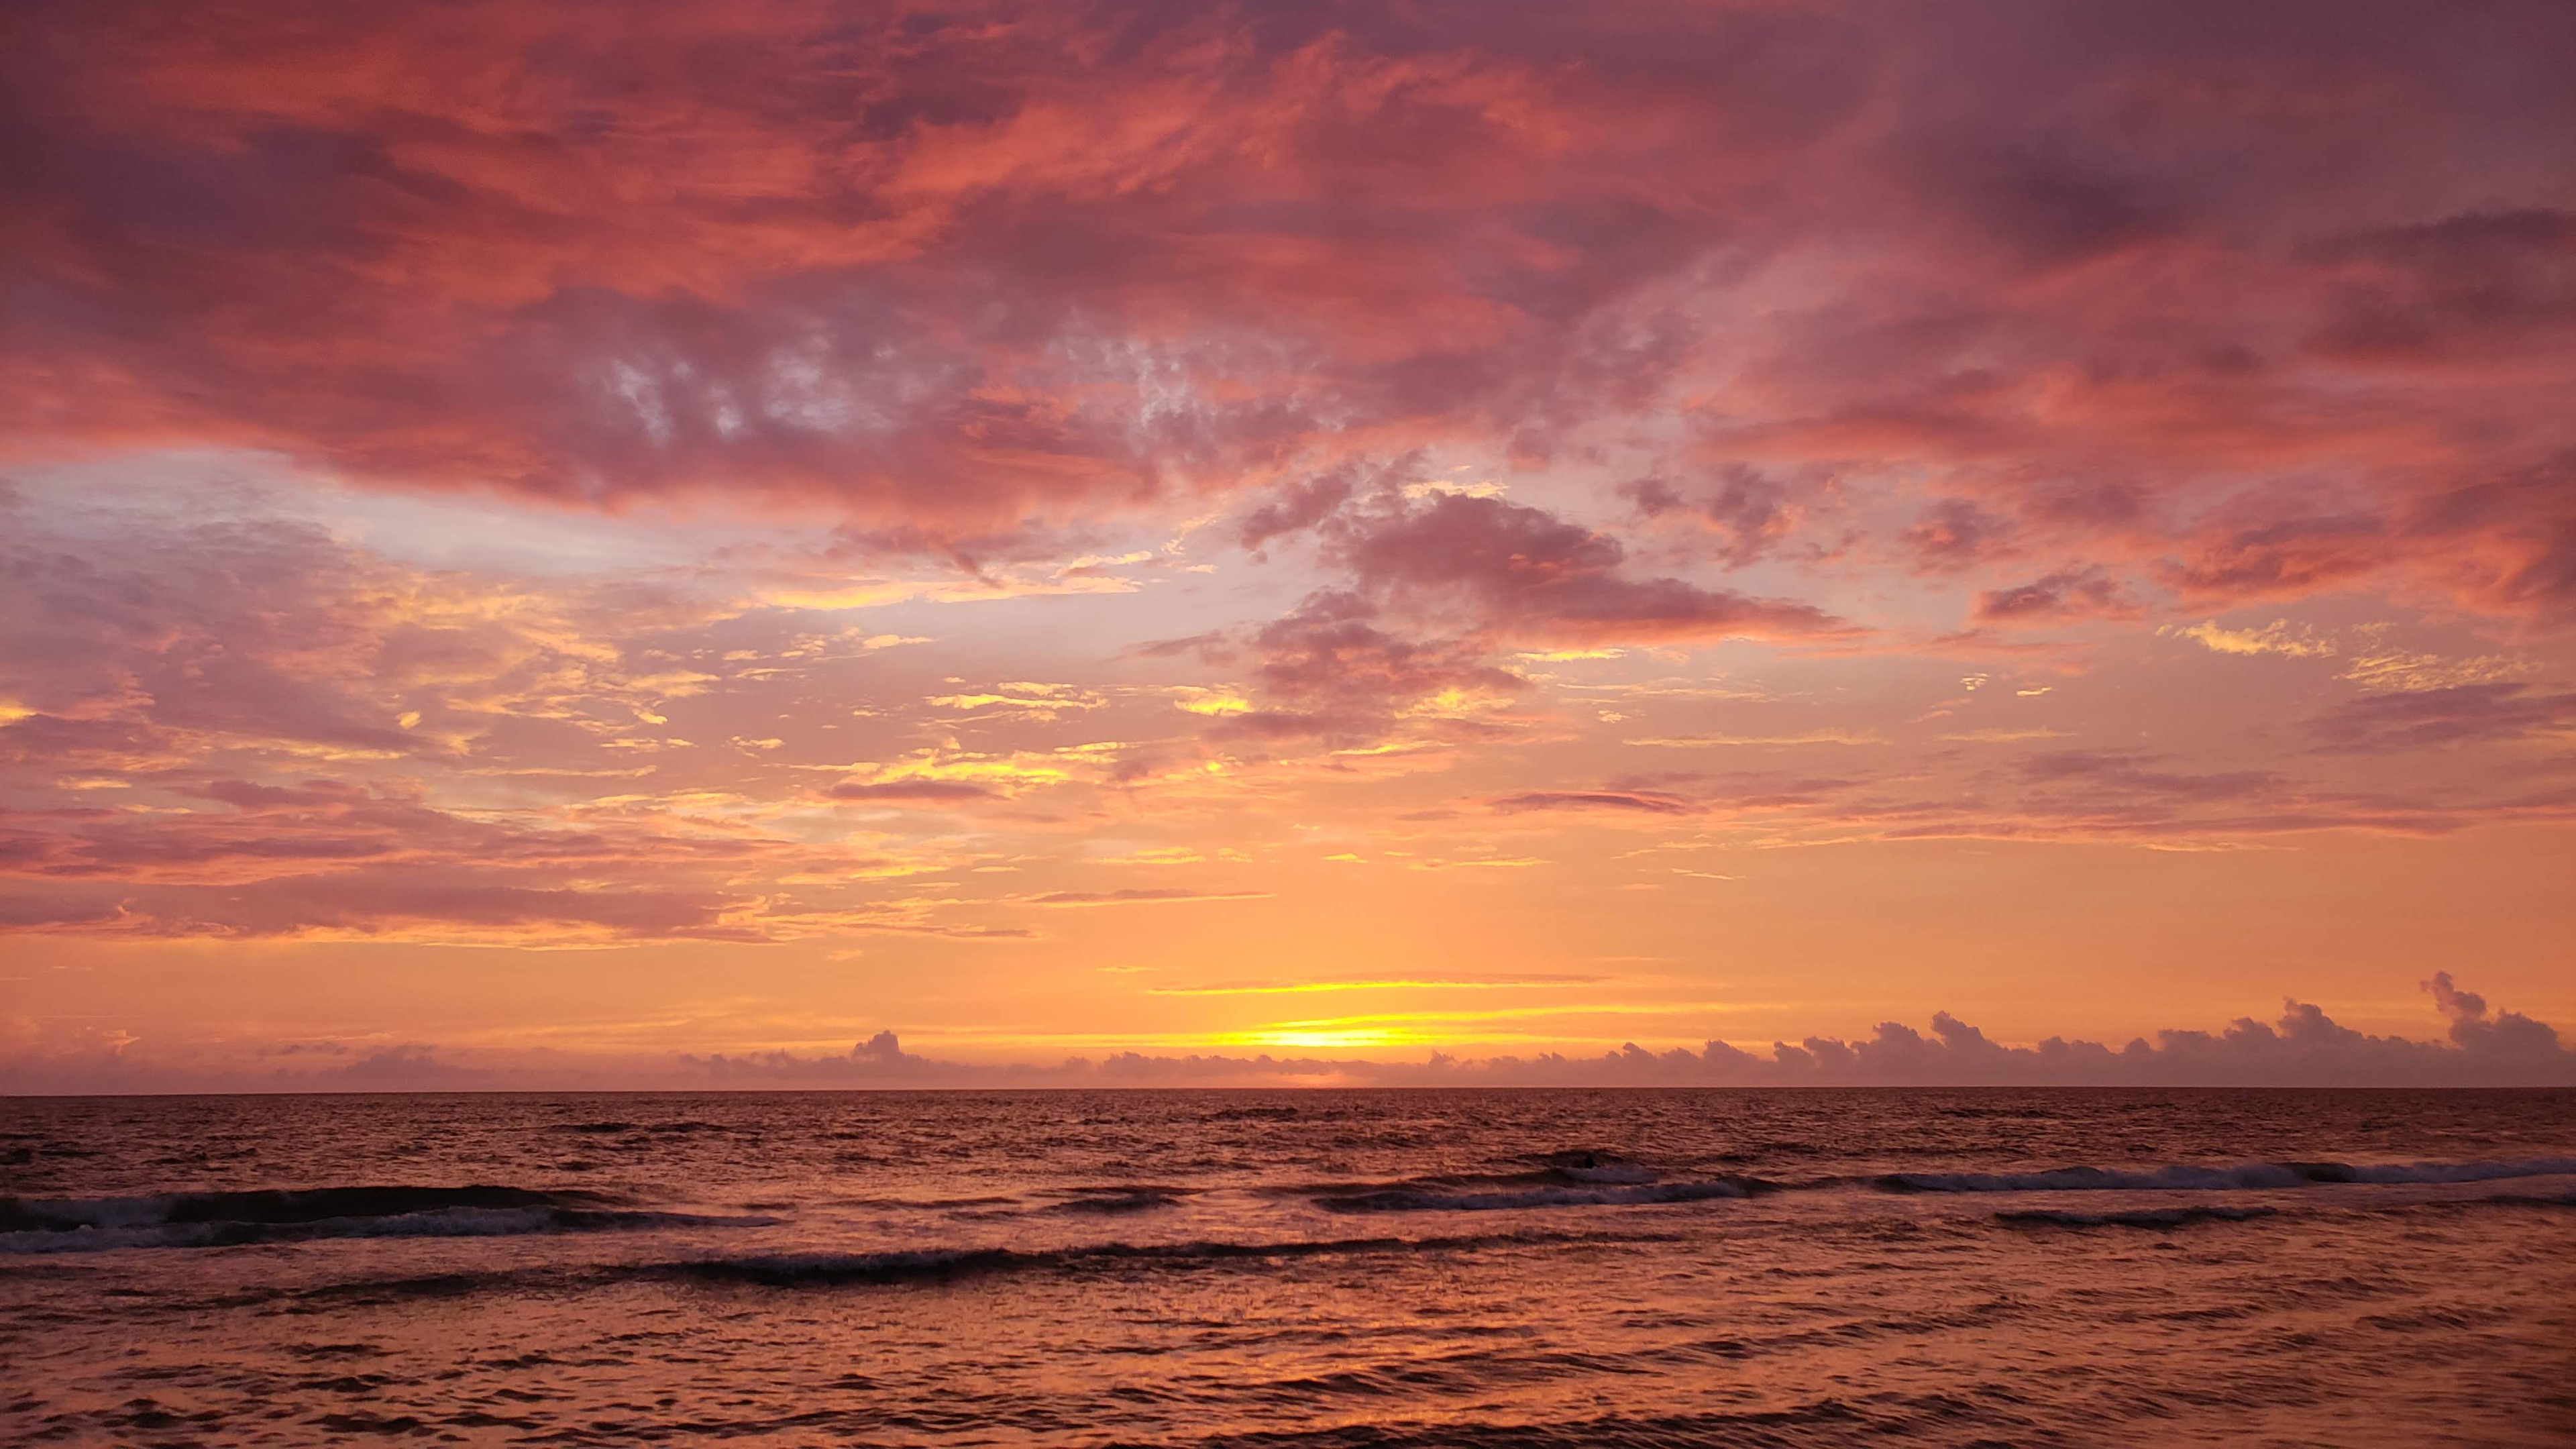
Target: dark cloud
[
  {"x": 412, "y": 1067},
  {"x": 2476, "y": 284},
  {"x": 2133, "y": 773},
  {"x": 1330, "y": 670},
  {"x": 1215, "y": 646},
  {"x": 1523, "y": 575},
  {"x": 1747, "y": 513},
  {"x": 2065, "y": 596},
  {"x": 1134, "y": 896},
  {"x": 2286, "y": 558},
  {"x": 444, "y": 901},
  {"x": 1640, "y": 802},
  {"x": 915, "y": 792},
  {"x": 944, "y": 279},
  {"x": 2432, "y": 718},
  {"x": 1297, "y": 506},
  {"x": 1956, "y": 533},
  {"x": 2129, "y": 796}
]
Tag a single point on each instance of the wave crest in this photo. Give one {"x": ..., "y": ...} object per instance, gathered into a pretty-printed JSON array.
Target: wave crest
[
  {"x": 2252, "y": 1176},
  {"x": 788, "y": 1270},
  {"x": 2160, "y": 1218},
  {"x": 277, "y": 1215},
  {"x": 1420, "y": 1199}
]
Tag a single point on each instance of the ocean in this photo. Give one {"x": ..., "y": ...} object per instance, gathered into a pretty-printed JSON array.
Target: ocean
[{"x": 1295, "y": 1268}]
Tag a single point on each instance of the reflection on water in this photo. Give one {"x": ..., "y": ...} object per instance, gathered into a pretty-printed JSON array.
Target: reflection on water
[{"x": 1383, "y": 1268}]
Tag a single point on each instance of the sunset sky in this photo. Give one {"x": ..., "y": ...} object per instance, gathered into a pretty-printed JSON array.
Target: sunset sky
[{"x": 551, "y": 544}]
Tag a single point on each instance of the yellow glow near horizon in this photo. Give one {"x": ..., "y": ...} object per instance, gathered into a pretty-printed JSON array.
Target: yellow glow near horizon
[
  {"x": 1293, "y": 988},
  {"x": 1318, "y": 1040}
]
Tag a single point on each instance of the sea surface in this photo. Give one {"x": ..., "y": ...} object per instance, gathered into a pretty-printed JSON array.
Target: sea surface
[{"x": 1395, "y": 1268}]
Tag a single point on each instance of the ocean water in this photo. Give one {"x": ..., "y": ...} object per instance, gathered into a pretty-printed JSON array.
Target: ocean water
[{"x": 1512, "y": 1268}]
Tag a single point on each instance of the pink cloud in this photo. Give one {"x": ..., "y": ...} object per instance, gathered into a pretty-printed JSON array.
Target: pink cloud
[
  {"x": 931, "y": 274},
  {"x": 494, "y": 473}
]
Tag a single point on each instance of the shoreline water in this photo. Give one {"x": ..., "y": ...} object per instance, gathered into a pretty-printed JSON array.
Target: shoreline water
[{"x": 1542, "y": 1268}]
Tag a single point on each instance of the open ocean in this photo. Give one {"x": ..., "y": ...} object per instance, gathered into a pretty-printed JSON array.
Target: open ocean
[{"x": 1313, "y": 1268}]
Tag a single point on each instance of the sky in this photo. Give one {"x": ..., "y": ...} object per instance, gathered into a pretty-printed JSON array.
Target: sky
[{"x": 756, "y": 544}]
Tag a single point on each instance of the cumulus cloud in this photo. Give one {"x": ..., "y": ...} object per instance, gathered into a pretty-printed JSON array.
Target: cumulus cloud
[{"x": 2507, "y": 1033}]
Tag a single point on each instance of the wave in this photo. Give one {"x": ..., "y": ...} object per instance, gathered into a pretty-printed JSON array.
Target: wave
[
  {"x": 1599, "y": 1180},
  {"x": 927, "y": 1204},
  {"x": 2532, "y": 1199},
  {"x": 2501, "y": 1199},
  {"x": 793, "y": 1270},
  {"x": 2172, "y": 1217},
  {"x": 1575, "y": 1178},
  {"x": 2253, "y": 1176},
  {"x": 1108, "y": 1201},
  {"x": 1417, "y": 1199},
  {"x": 278, "y": 1205},
  {"x": 2443, "y": 1172},
  {"x": 665, "y": 1129},
  {"x": 1584, "y": 1165},
  {"x": 788, "y": 1270},
  {"x": 228, "y": 1219},
  {"x": 1889, "y": 1418},
  {"x": 897, "y": 1267}
]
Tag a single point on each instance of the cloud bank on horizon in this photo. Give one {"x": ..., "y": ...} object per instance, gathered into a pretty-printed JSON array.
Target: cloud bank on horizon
[
  {"x": 691, "y": 534},
  {"x": 2304, "y": 1048}
]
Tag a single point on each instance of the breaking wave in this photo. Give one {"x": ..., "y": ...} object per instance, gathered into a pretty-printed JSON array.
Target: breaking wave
[{"x": 228, "y": 1219}]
